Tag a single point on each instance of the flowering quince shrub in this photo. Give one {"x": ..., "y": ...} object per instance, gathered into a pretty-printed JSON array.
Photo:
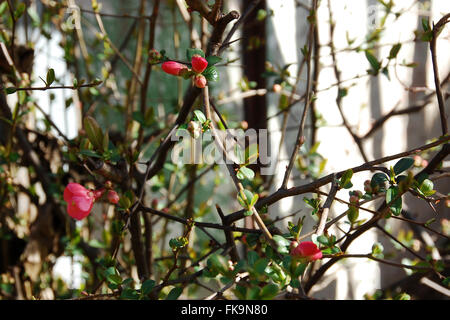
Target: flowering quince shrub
[
  {"x": 198, "y": 68},
  {"x": 144, "y": 226}
]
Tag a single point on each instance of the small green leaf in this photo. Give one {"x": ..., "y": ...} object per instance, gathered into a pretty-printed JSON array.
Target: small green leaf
[
  {"x": 129, "y": 293},
  {"x": 299, "y": 270},
  {"x": 200, "y": 116},
  {"x": 252, "y": 293},
  {"x": 34, "y": 16},
  {"x": 394, "y": 51},
  {"x": 374, "y": 63},
  {"x": 396, "y": 206},
  {"x": 282, "y": 244},
  {"x": 10, "y": 90},
  {"x": 20, "y": 10},
  {"x": 90, "y": 153},
  {"x": 378, "y": 179},
  {"x": 147, "y": 286},
  {"x": 269, "y": 291},
  {"x": 260, "y": 265},
  {"x": 93, "y": 132},
  {"x": 323, "y": 240},
  {"x": 191, "y": 51},
  {"x": 377, "y": 250},
  {"x": 211, "y": 74},
  {"x": 174, "y": 293},
  {"x": 403, "y": 165},
  {"x": 247, "y": 173},
  {"x": 426, "y": 24},
  {"x": 248, "y": 213},
  {"x": 426, "y": 187},
  {"x": 212, "y": 60},
  {"x": 345, "y": 181},
  {"x": 50, "y": 77},
  {"x": 352, "y": 214},
  {"x": 3, "y": 7}
]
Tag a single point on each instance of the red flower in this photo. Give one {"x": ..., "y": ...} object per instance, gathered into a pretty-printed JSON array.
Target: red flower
[
  {"x": 307, "y": 250},
  {"x": 174, "y": 68},
  {"x": 113, "y": 197},
  {"x": 200, "y": 81},
  {"x": 79, "y": 200},
  {"x": 199, "y": 63}
]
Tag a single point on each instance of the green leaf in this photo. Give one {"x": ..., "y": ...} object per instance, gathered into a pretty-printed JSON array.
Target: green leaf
[
  {"x": 252, "y": 293},
  {"x": 394, "y": 51},
  {"x": 260, "y": 265},
  {"x": 345, "y": 181},
  {"x": 93, "y": 132},
  {"x": 147, "y": 286},
  {"x": 138, "y": 117},
  {"x": 426, "y": 24},
  {"x": 248, "y": 195},
  {"x": 299, "y": 270},
  {"x": 269, "y": 291},
  {"x": 129, "y": 293},
  {"x": 174, "y": 293},
  {"x": 3, "y": 7},
  {"x": 252, "y": 256},
  {"x": 218, "y": 263},
  {"x": 50, "y": 77},
  {"x": 378, "y": 179},
  {"x": 247, "y": 173},
  {"x": 34, "y": 16},
  {"x": 248, "y": 213},
  {"x": 212, "y": 60},
  {"x": 396, "y": 206},
  {"x": 200, "y": 116},
  {"x": 97, "y": 244},
  {"x": 211, "y": 74},
  {"x": 90, "y": 153},
  {"x": 191, "y": 51},
  {"x": 282, "y": 244},
  {"x": 254, "y": 199},
  {"x": 377, "y": 250},
  {"x": 20, "y": 10},
  {"x": 403, "y": 296},
  {"x": 374, "y": 63},
  {"x": 352, "y": 214},
  {"x": 323, "y": 240},
  {"x": 403, "y": 165},
  {"x": 10, "y": 90},
  {"x": 426, "y": 187}
]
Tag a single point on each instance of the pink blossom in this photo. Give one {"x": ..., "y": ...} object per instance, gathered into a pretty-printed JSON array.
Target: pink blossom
[
  {"x": 174, "y": 68},
  {"x": 199, "y": 63},
  {"x": 79, "y": 200},
  {"x": 307, "y": 250}
]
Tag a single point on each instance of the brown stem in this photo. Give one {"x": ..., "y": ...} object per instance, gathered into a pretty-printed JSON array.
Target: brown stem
[{"x": 436, "y": 29}]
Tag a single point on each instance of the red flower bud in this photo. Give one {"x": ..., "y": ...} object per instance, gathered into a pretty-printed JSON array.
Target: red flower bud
[
  {"x": 154, "y": 56},
  {"x": 307, "y": 250},
  {"x": 276, "y": 87},
  {"x": 99, "y": 193},
  {"x": 200, "y": 81},
  {"x": 199, "y": 63},
  {"x": 79, "y": 200},
  {"x": 354, "y": 199},
  {"x": 113, "y": 197},
  {"x": 174, "y": 68}
]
